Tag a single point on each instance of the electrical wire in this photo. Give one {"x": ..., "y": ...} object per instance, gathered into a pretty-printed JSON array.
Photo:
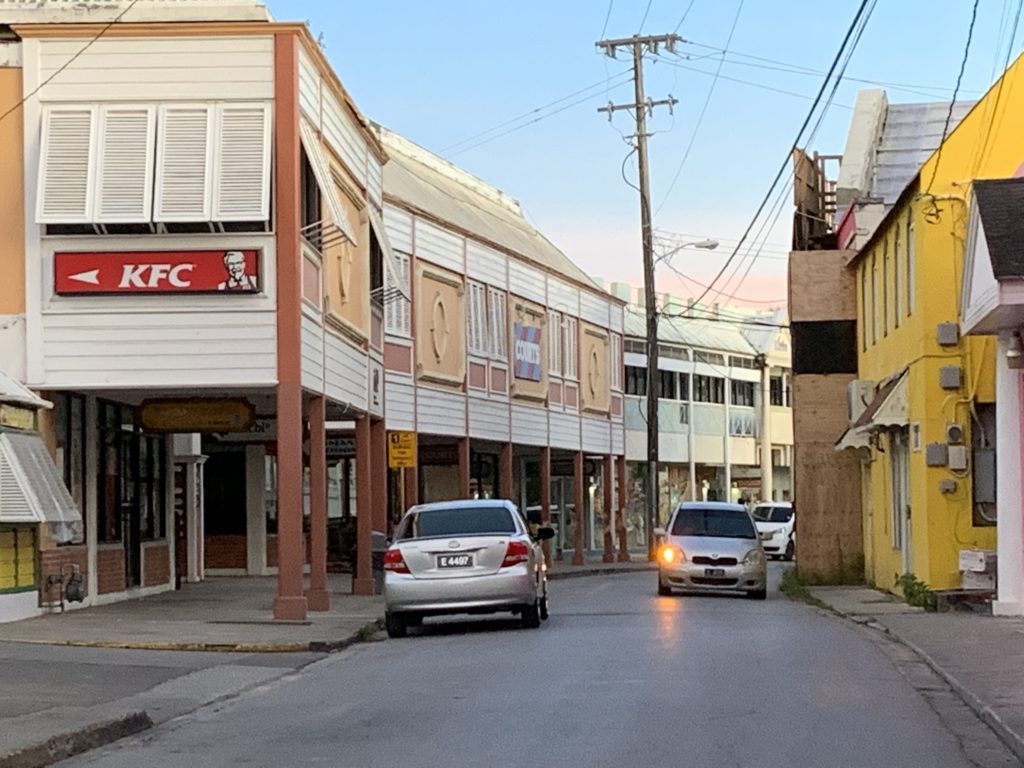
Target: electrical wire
[
  {"x": 524, "y": 115},
  {"x": 700, "y": 117},
  {"x": 607, "y": 16},
  {"x": 762, "y": 86},
  {"x": 685, "y": 14},
  {"x": 682, "y": 276},
  {"x": 860, "y": 14},
  {"x": 644, "y": 19},
  {"x": 545, "y": 116},
  {"x": 956, "y": 90},
  {"x": 69, "y": 62}
]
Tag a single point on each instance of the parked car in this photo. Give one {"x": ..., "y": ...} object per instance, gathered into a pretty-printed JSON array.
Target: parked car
[
  {"x": 776, "y": 524},
  {"x": 464, "y": 557},
  {"x": 711, "y": 547}
]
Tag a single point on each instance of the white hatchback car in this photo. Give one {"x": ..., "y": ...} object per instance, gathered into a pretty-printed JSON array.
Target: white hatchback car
[
  {"x": 475, "y": 556},
  {"x": 776, "y": 524}
]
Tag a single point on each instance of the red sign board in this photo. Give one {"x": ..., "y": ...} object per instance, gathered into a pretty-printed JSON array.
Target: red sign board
[{"x": 234, "y": 271}]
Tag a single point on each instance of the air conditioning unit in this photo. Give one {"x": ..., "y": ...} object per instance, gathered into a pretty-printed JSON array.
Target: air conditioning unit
[{"x": 859, "y": 394}]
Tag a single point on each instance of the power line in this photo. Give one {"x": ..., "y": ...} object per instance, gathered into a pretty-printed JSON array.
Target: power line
[
  {"x": 685, "y": 14},
  {"x": 607, "y": 16},
  {"x": 524, "y": 115},
  {"x": 545, "y": 116},
  {"x": 734, "y": 297},
  {"x": 762, "y": 86},
  {"x": 69, "y": 62},
  {"x": 786, "y": 161},
  {"x": 700, "y": 117},
  {"x": 643, "y": 20},
  {"x": 956, "y": 90}
]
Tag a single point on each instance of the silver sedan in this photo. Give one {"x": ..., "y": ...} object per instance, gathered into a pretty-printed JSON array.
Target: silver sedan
[
  {"x": 712, "y": 547},
  {"x": 464, "y": 557}
]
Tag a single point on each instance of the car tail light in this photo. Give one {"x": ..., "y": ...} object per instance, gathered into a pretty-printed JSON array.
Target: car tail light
[
  {"x": 394, "y": 562},
  {"x": 517, "y": 552}
]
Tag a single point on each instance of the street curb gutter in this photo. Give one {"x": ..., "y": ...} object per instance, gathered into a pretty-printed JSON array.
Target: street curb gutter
[
  {"x": 1009, "y": 737},
  {"x": 76, "y": 742}
]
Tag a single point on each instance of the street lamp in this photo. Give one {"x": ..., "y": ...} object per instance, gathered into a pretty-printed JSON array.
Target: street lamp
[{"x": 651, "y": 311}]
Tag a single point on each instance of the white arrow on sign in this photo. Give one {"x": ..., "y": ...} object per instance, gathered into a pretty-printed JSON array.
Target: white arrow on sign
[{"x": 92, "y": 277}]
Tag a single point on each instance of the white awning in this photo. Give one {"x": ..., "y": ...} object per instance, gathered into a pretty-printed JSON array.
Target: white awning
[
  {"x": 390, "y": 263},
  {"x": 887, "y": 409},
  {"x": 31, "y": 491},
  {"x": 322, "y": 172},
  {"x": 12, "y": 391}
]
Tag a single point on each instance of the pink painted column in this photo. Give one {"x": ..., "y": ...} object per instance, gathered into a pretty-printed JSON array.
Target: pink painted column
[
  {"x": 362, "y": 583},
  {"x": 317, "y": 596},
  {"x": 608, "y": 481}
]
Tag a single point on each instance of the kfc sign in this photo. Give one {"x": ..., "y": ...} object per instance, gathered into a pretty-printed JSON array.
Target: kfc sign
[{"x": 156, "y": 272}]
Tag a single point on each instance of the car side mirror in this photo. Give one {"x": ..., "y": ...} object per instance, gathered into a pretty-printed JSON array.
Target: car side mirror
[{"x": 544, "y": 533}]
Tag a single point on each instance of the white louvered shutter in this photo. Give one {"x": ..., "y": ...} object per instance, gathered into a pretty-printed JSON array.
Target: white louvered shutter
[
  {"x": 241, "y": 179},
  {"x": 405, "y": 304},
  {"x": 65, "y": 167},
  {"x": 124, "y": 191},
  {"x": 184, "y": 166}
]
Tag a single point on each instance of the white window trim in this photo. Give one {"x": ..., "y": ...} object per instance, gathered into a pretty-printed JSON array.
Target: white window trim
[
  {"x": 554, "y": 343},
  {"x": 498, "y": 315},
  {"x": 478, "y": 329},
  {"x": 616, "y": 362},
  {"x": 570, "y": 355},
  {"x": 398, "y": 310}
]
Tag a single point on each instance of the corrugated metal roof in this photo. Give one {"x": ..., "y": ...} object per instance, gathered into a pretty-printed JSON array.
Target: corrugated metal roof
[
  {"x": 910, "y": 134},
  {"x": 434, "y": 185},
  {"x": 690, "y": 332}
]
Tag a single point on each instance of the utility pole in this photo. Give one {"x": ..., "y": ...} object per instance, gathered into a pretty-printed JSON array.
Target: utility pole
[{"x": 641, "y": 107}]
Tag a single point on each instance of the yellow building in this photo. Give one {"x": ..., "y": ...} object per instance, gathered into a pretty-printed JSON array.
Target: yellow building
[{"x": 923, "y": 414}]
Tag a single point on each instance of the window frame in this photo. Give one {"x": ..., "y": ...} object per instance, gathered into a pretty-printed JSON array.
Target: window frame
[{"x": 570, "y": 360}]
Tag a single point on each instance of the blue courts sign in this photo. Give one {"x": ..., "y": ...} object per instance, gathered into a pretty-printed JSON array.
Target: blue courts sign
[{"x": 527, "y": 352}]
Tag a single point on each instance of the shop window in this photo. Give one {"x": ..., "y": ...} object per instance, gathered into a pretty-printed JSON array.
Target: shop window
[
  {"x": 17, "y": 558},
  {"x": 69, "y": 425},
  {"x": 483, "y": 481},
  {"x": 150, "y": 465}
]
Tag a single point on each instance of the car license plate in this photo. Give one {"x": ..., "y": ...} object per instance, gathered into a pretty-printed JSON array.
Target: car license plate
[
  {"x": 714, "y": 572},
  {"x": 455, "y": 561}
]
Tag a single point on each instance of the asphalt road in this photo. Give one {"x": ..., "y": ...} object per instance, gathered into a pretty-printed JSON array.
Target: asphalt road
[{"x": 617, "y": 677}]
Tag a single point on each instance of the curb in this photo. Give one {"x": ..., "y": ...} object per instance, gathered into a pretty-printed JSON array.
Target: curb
[
  {"x": 1013, "y": 741},
  {"x": 599, "y": 572},
  {"x": 76, "y": 742}
]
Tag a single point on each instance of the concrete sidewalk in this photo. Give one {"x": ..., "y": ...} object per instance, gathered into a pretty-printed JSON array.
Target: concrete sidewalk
[{"x": 980, "y": 657}]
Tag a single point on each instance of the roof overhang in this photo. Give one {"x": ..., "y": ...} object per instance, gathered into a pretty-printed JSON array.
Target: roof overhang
[
  {"x": 31, "y": 491},
  {"x": 14, "y": 392}
]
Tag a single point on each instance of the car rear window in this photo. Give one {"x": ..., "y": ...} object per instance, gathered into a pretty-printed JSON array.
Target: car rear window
[
  {"x": 773, "y": 514},
  {"x": 457, "y": 521},
  {"x": 711, "y": 521}
]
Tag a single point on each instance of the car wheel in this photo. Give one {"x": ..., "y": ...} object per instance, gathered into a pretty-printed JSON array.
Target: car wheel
[
  {"x": 790, "y": 550},
  {"x": 544, "y": 612},
  {"x": 395, "y": 625},
  {"x": 663, "y": 590},
  {"x": 758, "y": 594},
  {"x": 531, "y": 616}
]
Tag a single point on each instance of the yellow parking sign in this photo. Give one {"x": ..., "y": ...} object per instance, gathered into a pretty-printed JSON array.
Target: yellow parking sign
[{"x": 401, "y": 450}]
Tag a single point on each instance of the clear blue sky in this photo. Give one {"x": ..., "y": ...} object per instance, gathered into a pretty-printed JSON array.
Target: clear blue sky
[{"x": 442, "y": 71}]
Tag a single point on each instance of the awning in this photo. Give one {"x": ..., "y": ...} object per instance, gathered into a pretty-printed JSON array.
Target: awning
[
  {"x": 31, "y": 491},
  {"x": 887, "y": 409},
  {"x": 12, "y": 391},
  {"x": 390, "y": 262},
  {"x": 322, "y": 172}
]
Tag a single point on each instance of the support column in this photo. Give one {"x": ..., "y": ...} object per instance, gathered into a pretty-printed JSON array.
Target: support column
[
  {"x": 379, "y": 446},
  {"x": 318, "y": 597},
  {"x": 623, "y": 544},
  {"x": 505, "y": 472},
  {"x": 545, "y": 498},
  {"x": 290, "y": 602},
  {"x": 767, "y": 481},
  {"x": 577, "y": 533},
  {"x": 608, "y": 481},
  {"x": 1010, "y": 450},
  {"x": 464, "y": 469},
  {"x": 362, "y": 583},
  {"x": 410, "y": 487}
]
